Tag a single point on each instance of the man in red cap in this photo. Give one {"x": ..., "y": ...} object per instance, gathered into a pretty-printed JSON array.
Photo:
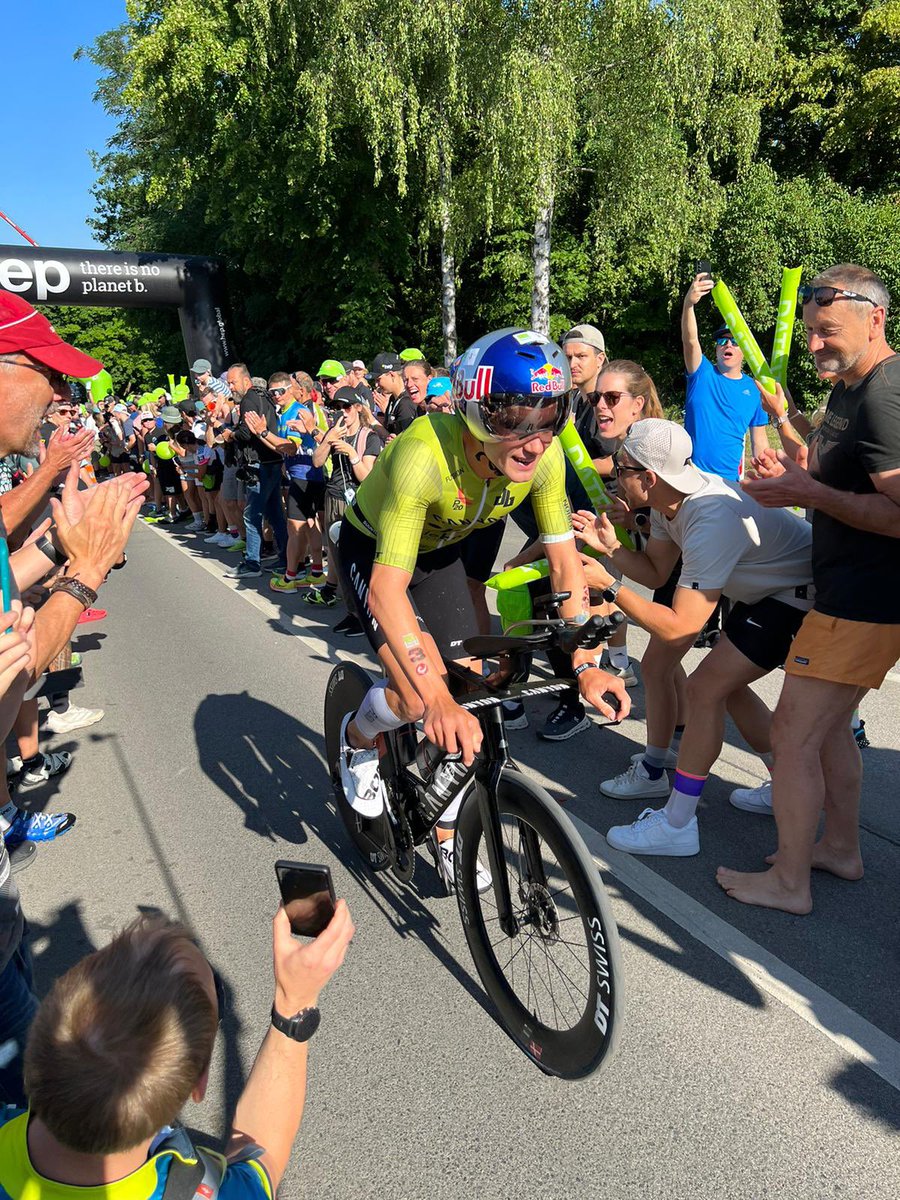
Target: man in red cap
[{"x": 87, "y": 540}]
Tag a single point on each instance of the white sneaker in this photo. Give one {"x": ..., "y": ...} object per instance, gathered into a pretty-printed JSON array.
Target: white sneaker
[
  {"x": 671, "y": 757},
  {"x": 214, "y": 539},
  {"x": 226, "y": 541},
  {"x": 197, "y": 525},
  {"x": 73, "y": 718},
  {"x": 626, "y": 674},
  {"x": 755, "y": 800},
  {"x": 636, "y": 784},
  {"x": 482, "y": 875},
  {"x": 361, "y": 777},
  {"x": 651, "y": 833}
]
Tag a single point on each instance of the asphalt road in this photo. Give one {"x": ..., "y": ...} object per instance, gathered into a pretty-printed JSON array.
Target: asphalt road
[{"x": 759, "y": 1055}]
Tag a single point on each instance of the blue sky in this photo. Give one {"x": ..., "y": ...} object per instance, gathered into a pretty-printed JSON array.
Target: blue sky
[{"x": 47, "y": 177}]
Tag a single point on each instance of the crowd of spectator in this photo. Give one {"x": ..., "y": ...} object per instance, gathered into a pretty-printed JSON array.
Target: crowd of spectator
[{"x": 776, "y": 556}]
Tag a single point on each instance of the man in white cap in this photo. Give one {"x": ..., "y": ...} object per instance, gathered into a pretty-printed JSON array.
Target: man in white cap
[
  {"x": 760, "y": 558},
  {"x": 356, "y": 378}
]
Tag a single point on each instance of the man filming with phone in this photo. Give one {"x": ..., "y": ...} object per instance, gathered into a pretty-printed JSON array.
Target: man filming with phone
[
  {"x": 722, "y": 403},
  {"x": 126, "y": 1037}
]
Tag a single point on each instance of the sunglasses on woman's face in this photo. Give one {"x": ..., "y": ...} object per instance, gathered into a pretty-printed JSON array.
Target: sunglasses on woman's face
[
  {"x": 826, "y": 296},
  {"x": 610, "y": 399}
]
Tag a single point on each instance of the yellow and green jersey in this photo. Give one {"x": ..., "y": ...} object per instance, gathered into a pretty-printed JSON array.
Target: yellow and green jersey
[{"x": 422, "y": 494}]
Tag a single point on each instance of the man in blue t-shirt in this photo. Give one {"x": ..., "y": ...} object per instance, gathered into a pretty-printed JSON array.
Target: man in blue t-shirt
[{"x": 722, "y": 402}]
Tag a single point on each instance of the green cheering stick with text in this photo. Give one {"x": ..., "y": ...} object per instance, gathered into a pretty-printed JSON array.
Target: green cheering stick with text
[
  {"x": 740, "y": 331},
  {"x": 784, "y": 324}
]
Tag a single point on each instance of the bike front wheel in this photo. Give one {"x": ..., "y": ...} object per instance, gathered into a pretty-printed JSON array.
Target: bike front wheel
[{"x": 557, "y": 983}]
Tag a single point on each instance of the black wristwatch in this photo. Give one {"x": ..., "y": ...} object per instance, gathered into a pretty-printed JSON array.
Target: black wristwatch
[
  {"x": 609, "y": 593},
  {"x": 301, "y": 1026}
]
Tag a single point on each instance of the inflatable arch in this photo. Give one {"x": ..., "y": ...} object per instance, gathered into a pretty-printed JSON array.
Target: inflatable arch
[{"x": 196, "y": 286}]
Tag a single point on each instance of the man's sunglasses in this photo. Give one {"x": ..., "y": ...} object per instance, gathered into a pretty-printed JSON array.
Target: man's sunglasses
[
  {"x": 276, "y": 392},
  {"x": 622, "y": 468},
  {"x": 725, "y": 340},
  {"x": 52, "y": 377},
  {"x": 826, "y": 296},
  {"x": 610, "y": 399}
]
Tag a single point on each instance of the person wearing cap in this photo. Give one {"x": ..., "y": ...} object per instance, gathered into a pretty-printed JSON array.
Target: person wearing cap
[
  {"x": 722, "y": 403},
  {"x": 356, "y": 377},
  {"x": 438, "y": 397},
  {"x": 168, "y": 491},
  {"x": 760, "y": 558},
  {"x": 387, "y": 377},
  {"x": 33, "y": 358},
  {"x": 331, "y": 375},
  {"x": 351, "y": 447},
  {"x": 205, "y": 381}
]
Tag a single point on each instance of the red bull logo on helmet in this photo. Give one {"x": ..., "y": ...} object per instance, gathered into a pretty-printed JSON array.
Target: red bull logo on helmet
[
  {"x": 548, "y": 379},
  {"x": 469, "y": 387}
]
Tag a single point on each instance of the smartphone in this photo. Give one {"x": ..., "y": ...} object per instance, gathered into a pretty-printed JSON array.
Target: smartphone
[
  {"x": 703, "y": 268},
  {"x": 307, "y": 894}
]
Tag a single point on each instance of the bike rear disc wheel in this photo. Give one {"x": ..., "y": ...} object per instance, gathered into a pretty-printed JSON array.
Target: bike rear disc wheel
[
  {"x": 558, "y": 983},
  {"x": 347, "y": 687}
]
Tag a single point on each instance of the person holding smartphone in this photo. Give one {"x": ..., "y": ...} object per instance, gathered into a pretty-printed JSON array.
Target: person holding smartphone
[
  {"x": 722, "y": 402},
  {"x": 351, "y": 448},
  {"x": 104, "y": 1035}
]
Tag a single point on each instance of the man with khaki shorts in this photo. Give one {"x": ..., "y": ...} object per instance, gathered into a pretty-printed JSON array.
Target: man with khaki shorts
[{"x": 851, "y": 638}]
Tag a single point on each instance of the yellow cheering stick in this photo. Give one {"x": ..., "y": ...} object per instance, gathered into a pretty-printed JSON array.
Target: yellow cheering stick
[
  {"x": 576, "y": 452},
  {"x": 740, "y": 331},
  {"x": 784, "y": 324}
]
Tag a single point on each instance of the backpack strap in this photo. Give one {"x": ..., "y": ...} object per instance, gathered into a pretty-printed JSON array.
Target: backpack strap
[
  {"x": 362, "y": 437},
  {"x": 194, "y": 1173}
]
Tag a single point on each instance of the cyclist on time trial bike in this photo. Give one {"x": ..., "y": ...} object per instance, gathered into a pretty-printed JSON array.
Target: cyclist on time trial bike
[{"x": 444, "y": 477}]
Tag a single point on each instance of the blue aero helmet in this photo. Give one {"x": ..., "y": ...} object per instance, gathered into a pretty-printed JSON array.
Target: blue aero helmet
[{"x": 511, "y": 385}]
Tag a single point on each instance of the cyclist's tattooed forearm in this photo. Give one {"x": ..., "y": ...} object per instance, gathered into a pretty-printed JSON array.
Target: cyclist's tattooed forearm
[{"x": 415, "y": 653}]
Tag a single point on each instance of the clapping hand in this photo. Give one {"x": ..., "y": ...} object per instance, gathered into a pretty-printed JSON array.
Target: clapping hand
[
  {"x": 256, "y": 423},
  {"x": 780, "y": 481},
  {"x": 64, "y": 448},
  {"x": 16, "y": 644},
  {"x": 596, "y": 532}
]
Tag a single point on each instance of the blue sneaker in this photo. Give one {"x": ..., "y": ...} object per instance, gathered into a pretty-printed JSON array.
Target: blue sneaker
[{"x": 37, "y": 827}]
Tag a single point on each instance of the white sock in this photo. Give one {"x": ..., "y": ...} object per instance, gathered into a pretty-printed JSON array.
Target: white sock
[
  {"x": 618, "y": 657},
  {"x": 375, "y": 715},
  {"x": 7, "y": 816}
]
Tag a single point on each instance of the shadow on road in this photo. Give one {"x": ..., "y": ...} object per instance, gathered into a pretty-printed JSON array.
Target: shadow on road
[{"x": 270, "y": 765}]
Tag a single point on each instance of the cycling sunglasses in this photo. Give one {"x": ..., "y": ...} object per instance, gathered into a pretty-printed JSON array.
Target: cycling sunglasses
[
  {"x": 514, "y": 416},
  {"x": 276, "y": 392},
  {"x": 725, "y": 340},
  {"x": 826, "y": 296},
  {"x": 610, "y": 399}
]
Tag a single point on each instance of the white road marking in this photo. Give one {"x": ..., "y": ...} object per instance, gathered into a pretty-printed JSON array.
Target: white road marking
[{"x": 851, "y": 1033}]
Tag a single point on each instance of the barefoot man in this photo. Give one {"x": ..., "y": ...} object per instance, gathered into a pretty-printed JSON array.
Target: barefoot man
[{"x": 851, "y": 638}]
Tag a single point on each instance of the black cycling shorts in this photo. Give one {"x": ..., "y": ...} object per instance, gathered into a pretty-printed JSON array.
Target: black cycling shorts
[
  {"x": 305, "y": 498},
  {"x": 438, "y": 592},
  {"x": 479, "y": 551},
  {"x": 763, "y": 631}
]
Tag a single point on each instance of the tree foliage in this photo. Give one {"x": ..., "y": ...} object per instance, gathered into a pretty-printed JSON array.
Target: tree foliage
[{"x": 326, "y": 154}]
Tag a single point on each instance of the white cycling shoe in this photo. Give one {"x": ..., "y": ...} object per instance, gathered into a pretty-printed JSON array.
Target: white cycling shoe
[
  {"x": 445, "y": 858},
  {"x": 361, "y": 777}
]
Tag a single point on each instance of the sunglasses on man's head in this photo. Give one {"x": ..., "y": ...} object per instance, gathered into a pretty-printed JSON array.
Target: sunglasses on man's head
[
  {"x": 826, "y": 296},
  {"x": 610, "y": 399}
]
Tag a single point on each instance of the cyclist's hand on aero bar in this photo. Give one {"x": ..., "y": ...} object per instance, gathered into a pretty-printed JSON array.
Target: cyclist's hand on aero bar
[
  {"x": 594, "y": 685},
  {"x": 453, "y": 728}
]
